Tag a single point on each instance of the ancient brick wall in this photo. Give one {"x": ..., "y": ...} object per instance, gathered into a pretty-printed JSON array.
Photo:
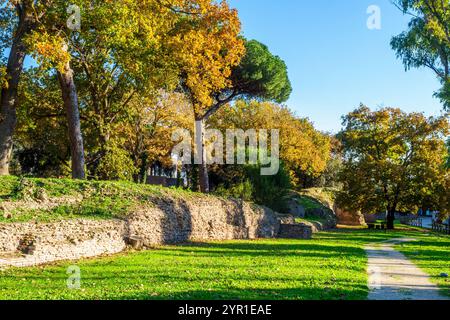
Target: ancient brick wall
[{"x": 169, "y": 221}]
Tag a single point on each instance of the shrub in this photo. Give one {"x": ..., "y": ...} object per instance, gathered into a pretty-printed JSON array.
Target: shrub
[
  {"x": 269, "y": 191},
  {"x": 116, "y": 165},
  {"x": 242, "y": 190}
]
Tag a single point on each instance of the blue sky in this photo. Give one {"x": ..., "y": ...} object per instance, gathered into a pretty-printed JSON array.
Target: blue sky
[{"x": 335, "y": 62}]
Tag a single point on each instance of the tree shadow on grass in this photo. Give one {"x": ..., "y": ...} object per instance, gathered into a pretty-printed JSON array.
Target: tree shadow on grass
[
  {"x": 257, "y": 249},
  {"x": 271, "y": 294}
]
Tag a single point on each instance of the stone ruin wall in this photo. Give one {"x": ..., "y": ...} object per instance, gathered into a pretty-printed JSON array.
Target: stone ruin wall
[{"x": 169, "y": 222}]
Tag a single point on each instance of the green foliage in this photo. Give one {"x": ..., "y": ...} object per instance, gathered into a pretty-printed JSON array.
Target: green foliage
[
  {"x": 116, "y": 164},
  {"x": 443, "y": 94},
  {"x": 8, "y": 185},
  {"x": 242, "y": 190},
  {"x": 304, "y": 150},
  {"x": 394, "y": 161},
  {"x": 270, "y": 191},
  {"x": 41, "y": 142},
  {"x": 330, "y": 177},
  {"x": 247, "y": 183},
  {"x": 426, "y": 43},
  {"x": 323, "y": 197},
  {"x": 7, "y": 19},
  {"x": 308, "y": 202},
  {"x": 261, "y": 74},
  {"x": 318, "y": 204}
]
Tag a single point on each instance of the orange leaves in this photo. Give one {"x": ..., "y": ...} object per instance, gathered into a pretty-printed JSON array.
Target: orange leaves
[
  {"x": 207, "y": 48},
  {"x": 49, "y": 50},
  {"x": 154, "y": 119}
]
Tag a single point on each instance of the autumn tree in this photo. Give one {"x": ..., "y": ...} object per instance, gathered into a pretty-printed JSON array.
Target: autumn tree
[
  {"x": 123, "y": 50},
  {"x": 329, "y": 178},
  {"x": 34, "y": 18},
  {"x": 393, "y": 160},
  {"x": 208, "y": 47},
  {"x": 426, "y": 43},
  {"x": 259, "y": 75},
  {"x": 304, "y": 150},
  {"x": 148, "y": 135},
  {"x": 448, "y": 157},
  {"x": 115, "y": 55},
  {"x": 17, "y": 20},
  {"x": 41, "y": 146}
]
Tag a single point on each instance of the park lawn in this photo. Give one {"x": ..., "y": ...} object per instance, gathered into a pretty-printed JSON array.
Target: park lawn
[
  {"x": 330, "y": 267},
  {"x": 431, "y": 253}
]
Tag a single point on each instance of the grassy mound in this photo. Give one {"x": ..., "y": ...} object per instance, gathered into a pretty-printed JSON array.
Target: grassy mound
[
  {"x": 318, "y": 204},
  {"x": 316, "y": 198},
  {"x": 45, "y": 200}
]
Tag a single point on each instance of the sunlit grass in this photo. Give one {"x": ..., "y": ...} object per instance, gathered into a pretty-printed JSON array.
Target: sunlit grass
[
  {"x": 332, "y": 266},
  {"x": 432, "y": 255}
]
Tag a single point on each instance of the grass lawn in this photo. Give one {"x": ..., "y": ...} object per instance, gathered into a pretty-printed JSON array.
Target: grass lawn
[
  {"x": 332, "y": 266},
  {"x": 432, "y": 255}
]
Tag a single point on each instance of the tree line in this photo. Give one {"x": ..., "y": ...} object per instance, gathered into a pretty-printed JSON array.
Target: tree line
[
  {"x": 107, "y": 97},
  {"x": 102, "y": 102}
]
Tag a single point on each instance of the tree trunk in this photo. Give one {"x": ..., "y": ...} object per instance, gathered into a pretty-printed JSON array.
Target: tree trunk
[
  {"x": 200, "y": 158},
  {"x": 8, "y": 97},
  {"x": 70, "y": 98},
  {"x": 142, "y": 175},
  {"x": 391, "y": 219}
]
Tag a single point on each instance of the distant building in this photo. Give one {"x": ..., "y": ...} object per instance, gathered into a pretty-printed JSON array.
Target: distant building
[
  {"x": 162, "y": 181},
  {"x": 159, "y": 176}
]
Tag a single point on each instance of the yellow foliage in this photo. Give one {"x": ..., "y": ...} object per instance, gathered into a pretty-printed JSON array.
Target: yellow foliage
[
  {"x": 153, "y": 120},
  {"x": 3, "y": 79},
  {"x": 394, "y": 160},
  {"x": 303, "y": 149},
  {"x": 49, "y": 50},
  {"x": 207, "y": 48}
]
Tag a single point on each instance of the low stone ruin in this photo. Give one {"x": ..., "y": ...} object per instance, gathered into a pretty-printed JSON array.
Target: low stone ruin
[{"x": 295, "y": 231}]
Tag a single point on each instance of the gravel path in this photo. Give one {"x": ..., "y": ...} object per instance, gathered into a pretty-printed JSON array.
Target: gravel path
[{"x": 392, "y": 276}]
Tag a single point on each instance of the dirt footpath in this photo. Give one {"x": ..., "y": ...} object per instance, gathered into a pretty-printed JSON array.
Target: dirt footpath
[{"x": 392, "y": 276}]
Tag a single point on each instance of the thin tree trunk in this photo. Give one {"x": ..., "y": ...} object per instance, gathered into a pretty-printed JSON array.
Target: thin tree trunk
[
  {"x": 391, "y": 219},
  {"x": 201, "y": 159},
  {"x": 70, "y": 98},
  {"x": 392, "y": 210},
  {"x": 8, "y": 102}
]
